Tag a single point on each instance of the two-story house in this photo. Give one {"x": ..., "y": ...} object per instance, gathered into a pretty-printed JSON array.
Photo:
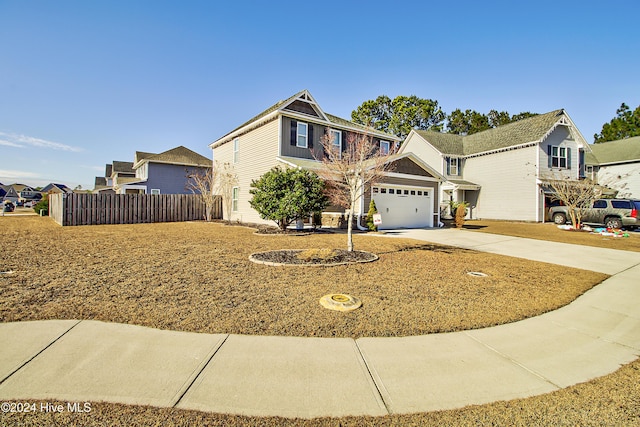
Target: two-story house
[
  {"x": 151, "y": 173},
  {"x": 289, "y": 134},
  {"x": 501, "y": 172}
]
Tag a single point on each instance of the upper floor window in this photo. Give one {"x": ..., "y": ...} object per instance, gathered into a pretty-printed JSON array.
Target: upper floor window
[
  {"x": 301, "y": 136},
  {"x": 384, "y": 147},
  {"x": 453, "y": 166},
  {"x": 559, "y": 157},
  {"x": 236, "y": 149},
  {"x": 336, "y": 141}
]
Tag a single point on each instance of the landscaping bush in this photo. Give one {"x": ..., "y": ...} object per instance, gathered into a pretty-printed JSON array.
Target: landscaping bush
[
  {"x": 43, "y": 205},
  {"x": 285, "y": 195}
]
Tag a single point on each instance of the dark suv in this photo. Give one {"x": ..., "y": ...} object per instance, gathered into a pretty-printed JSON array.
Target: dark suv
[{"x": 614, "y": 213}]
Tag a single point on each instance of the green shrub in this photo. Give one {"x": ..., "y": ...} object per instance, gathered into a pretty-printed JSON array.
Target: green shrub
[
  {"x": 43, "y": 205},
  {"x": 285, "y": 195}
]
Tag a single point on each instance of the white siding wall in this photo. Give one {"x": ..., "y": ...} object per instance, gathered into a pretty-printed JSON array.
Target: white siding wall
[
  {"x": 256, "y": 155},
  {"x": 508, "y": 184},
  {"x": 628, "y": 184}
]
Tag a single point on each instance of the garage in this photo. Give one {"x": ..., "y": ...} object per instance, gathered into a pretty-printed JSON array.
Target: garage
[{"x": 403, "y": 206}]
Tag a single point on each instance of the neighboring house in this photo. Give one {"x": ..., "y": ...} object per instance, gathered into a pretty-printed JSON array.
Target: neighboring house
[
  {"x": 56, "y": 189},
  {"x": 168, "y": 172},
  {"x": 287, "y": 133},
  {"x": 20, "y": 193},
  {"x": 150, "y": 173},
  {"x": 500, "y": 172},
  {"x": 616, "y": 164}
]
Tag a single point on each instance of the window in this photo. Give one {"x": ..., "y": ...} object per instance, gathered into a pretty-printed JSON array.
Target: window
[
  {"x": 419, "y": 193},
  {"x": 236, "y": 149},
  {"x": 413, "y": 193},
  {"x": 375, "y": 190},
  {"x": 383, "y": 191},
  {"x": 600, "y": 204},
  {"x": 336, "y": 141},
  {"x": 559, "y": 157},
  {"x": 155, "y": 191},
  {"x": 392, "y": 191},
  {"x": 301, "y": 140},
  {"x": 384, "y": 147},
  {"x": 406, "y": 192},
  {"x": 234, "y": 198},
  {"x": 621, "y": 204},
  {"x": 453, "y": 166}
]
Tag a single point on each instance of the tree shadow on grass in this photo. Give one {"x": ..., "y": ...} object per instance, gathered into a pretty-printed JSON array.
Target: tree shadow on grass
[{"x": 430, "y": 247}]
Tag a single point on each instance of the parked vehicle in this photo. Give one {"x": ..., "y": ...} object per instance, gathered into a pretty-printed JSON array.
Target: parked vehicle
[
  {"x": 8, "y": 207},
  {"x": 613, "y": 213}
]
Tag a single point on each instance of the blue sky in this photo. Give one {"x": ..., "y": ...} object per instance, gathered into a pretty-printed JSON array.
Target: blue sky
[{"x": 83, "y": 83}]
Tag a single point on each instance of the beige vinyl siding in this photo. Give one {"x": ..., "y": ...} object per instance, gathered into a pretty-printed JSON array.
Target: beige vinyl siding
[
  {"x": 417, "y": 145},
  {"x": 508, "y": 184},
  {"x": 257, "y": 154}
]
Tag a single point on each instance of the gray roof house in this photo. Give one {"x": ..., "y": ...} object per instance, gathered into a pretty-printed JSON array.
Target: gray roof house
[
  {"x": 289, "y": 133},
  {"x": 500, "y": 172},
  {"x": 616, "y": 164},
  {"x": 151, "y": 173}
]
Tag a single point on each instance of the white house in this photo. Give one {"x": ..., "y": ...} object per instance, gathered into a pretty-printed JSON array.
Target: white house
[{"x": 500, "y": 172}]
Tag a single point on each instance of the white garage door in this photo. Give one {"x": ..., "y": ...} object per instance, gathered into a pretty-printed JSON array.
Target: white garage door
[{"x": 404, "y": 207}]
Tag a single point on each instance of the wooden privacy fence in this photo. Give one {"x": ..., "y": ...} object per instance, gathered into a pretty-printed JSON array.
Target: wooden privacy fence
[{"x": 94, "y": 209}]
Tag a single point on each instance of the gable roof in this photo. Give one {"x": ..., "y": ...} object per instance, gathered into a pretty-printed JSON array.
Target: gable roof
[
  {"x": 176, "y": 156},
  {"x": 61, "y": 187},
  {"x": 620, "y": 151},
  {"x": 302, "y": 105},
  {"x": 527, "y": 131}
]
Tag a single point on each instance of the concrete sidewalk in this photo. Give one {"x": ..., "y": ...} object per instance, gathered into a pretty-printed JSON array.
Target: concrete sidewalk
[{"x": 311, "y": 377}]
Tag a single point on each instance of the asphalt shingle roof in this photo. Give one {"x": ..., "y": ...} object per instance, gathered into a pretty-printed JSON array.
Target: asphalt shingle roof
[
  {"x": 181, "y": 156},
  {"x": 615, "y": 151},
  {"x": 338, "y": 121},
  {"x": 521, "y": 132}
]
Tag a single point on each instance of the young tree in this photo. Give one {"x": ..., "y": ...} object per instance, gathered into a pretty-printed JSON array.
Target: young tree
[
  {"x": 285, "y": 195},
  {"x": 350, "y": 171},
  {"x": 225, "y": 181},
  {"x": 577, "y": 195},
  {"x": 212, "y": 183}
]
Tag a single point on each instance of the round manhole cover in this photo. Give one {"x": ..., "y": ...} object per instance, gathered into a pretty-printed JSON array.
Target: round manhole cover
[
  {"x": 477, "y": 274},
  {"x": 340, "y": 302}
]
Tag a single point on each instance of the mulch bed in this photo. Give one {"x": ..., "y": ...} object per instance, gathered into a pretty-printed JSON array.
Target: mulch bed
[{"x": 302, "y": 257}]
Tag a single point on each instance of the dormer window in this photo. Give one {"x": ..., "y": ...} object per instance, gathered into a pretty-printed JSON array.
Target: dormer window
[{"x": 560, "y": 157}]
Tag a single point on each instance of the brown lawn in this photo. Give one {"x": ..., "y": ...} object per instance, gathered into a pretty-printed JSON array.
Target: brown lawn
[
  {"x": 197, "y": 277},
  {"x": 553, "y": 233}
]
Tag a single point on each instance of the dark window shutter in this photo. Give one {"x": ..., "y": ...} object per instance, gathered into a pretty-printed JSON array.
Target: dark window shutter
[
  {"x": 310, "y": 139},
  {"x": 581, "y": 165},
  {"x": 549, "y": 156},
  {"x": 448, "y": 165},
  {"x": 345, "y": 138},
  {"x": 568, "y": 158},
  {"x": 294, "y": 132}
]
